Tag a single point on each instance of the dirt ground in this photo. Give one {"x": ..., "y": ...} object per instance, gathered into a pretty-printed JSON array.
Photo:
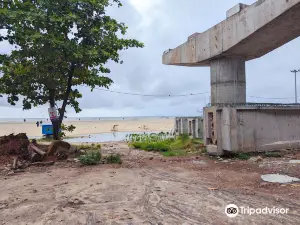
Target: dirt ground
[{"x": 149, "y": 189}]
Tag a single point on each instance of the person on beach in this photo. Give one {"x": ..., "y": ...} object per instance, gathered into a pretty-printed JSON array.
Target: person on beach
[
  {"x": 24, "y": 120},
  {"x": 37, "y": 123}
]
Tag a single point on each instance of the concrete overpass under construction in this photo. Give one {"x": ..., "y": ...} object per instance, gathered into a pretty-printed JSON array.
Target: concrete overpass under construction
[{"x": 248, "y": 32}]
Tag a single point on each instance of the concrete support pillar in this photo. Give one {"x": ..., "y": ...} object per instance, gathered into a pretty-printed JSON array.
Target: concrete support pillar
[
  {"x": 180, "y": 126},
  {"x": 200, "y": 128},
  {"x": 185, "y": 126},
  {"x": 228, "y": 80},
  {"x": 195, "y": 128}
]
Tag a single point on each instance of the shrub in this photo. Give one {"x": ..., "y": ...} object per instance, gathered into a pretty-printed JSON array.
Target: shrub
[
  {"x": 136, "y": 145},
  {"x": 90, "y": 158},
  {"x": 113, "y": 159},
  {"x": 165, "y": 143},
  {"x": 243, "y": 156}
]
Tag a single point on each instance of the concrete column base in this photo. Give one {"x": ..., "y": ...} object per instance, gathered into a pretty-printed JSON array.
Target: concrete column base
[{"x": 252, "y": 128}]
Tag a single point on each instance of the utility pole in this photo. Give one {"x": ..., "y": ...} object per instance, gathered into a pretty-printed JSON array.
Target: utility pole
[{"x": 295, "y": 71}]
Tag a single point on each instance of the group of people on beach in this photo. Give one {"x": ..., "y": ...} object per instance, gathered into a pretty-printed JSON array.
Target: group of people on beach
[{"x": 38, "y": 123}]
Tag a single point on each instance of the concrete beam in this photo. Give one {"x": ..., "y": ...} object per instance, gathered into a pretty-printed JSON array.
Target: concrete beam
[
  {"x": 250, "y": 33},
  {"x": 235, "y": 9}
]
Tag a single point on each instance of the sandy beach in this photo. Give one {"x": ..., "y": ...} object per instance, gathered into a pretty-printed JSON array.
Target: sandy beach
[{"x": 93, "y": 127}]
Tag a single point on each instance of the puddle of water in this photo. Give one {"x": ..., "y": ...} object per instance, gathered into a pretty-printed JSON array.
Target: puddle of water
[
  {"x": 278, "y": 178},
  {"x": 294, "y": 161},
  {"x": 105, "y": 137}
]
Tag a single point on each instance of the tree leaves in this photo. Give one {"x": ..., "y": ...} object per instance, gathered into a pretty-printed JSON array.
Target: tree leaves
[{"x": 60, "y": 44}]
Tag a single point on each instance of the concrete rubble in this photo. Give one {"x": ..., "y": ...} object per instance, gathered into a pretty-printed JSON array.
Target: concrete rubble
[{"x": 278, "y": 178}]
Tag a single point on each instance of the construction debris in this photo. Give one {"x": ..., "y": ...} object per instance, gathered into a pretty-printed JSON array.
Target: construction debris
[
  {"x": 50, "y": 163},
  {"x": 37, "y": 150},
  {"x": 15, "y": 164},
  {"x": 14, "y": 144},
  {"x": 57, "y": 146},
  {"x": 17, "y": 153}
]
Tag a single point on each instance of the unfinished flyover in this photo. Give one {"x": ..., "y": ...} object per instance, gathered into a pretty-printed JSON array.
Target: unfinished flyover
[{"x": 248, "y": 32}]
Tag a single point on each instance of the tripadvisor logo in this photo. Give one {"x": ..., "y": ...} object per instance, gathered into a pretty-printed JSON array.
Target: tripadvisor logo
[{"x": 231, "y": 210}]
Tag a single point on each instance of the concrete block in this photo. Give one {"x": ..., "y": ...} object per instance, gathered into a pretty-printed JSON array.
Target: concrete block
[
  {"x": 213, "y": 150},
  {"x": 235, "y": 9}
]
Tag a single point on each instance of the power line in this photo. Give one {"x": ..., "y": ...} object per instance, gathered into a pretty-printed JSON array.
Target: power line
[
  {"x": 270, "y": 98},
  {"x": 151, "y": 95},
  {"x": 171, "y": 95}
]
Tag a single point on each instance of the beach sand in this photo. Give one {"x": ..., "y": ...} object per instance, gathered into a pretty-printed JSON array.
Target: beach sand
[{"x": 93, "y": 127}]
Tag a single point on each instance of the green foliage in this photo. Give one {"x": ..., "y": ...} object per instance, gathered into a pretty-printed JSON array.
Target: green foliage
[
  {"x": 243, "y": 156},
  {"x": 184, "y": 138},
  {"x": 197, "y": 141},
  {"x": 153, "y": 137},
  {"x": 70, "y": 129},
  {"x": 113, "y": 159},
  {"x": 273, "y": 154},
  {"x": 165, "y": 143},
  {"x": 59, "y": 44},
  {"x": 90, "y": 158},
  {"x": 175, "y": 153}
]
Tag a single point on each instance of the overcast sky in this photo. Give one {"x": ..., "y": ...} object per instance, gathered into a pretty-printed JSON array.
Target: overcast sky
[{"x": 164, "y": 24}]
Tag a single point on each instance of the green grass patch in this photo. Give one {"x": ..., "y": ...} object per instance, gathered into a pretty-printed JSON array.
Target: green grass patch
[
  {"x": 166, "y": 144},
  {"x": 113, "y": 159},
  {"x": 243, "y": 156},
  {"x": 90, "y": 158},
  {"x": 174, "y": 153},
  {"x": 273, "y": 154}
]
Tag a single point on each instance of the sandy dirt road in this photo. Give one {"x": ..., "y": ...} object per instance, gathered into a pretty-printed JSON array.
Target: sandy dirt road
[{"x": 147, "y": 189}]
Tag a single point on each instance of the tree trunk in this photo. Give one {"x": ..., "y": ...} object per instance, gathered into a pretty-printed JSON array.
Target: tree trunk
[
  {"x": 37, "y": 150},
  {"x": 56, "y": 128},
  {"x": 55, "y": 123}
]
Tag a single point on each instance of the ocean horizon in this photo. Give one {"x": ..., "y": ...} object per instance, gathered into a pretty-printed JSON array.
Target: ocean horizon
[{"x": 18, "y": 120}]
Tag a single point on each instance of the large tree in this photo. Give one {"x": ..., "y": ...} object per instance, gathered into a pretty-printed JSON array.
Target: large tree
[{"x": 59, "y": 45}]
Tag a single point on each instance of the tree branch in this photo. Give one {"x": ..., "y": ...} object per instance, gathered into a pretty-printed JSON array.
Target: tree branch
[{"x": 68, "y": 91}]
